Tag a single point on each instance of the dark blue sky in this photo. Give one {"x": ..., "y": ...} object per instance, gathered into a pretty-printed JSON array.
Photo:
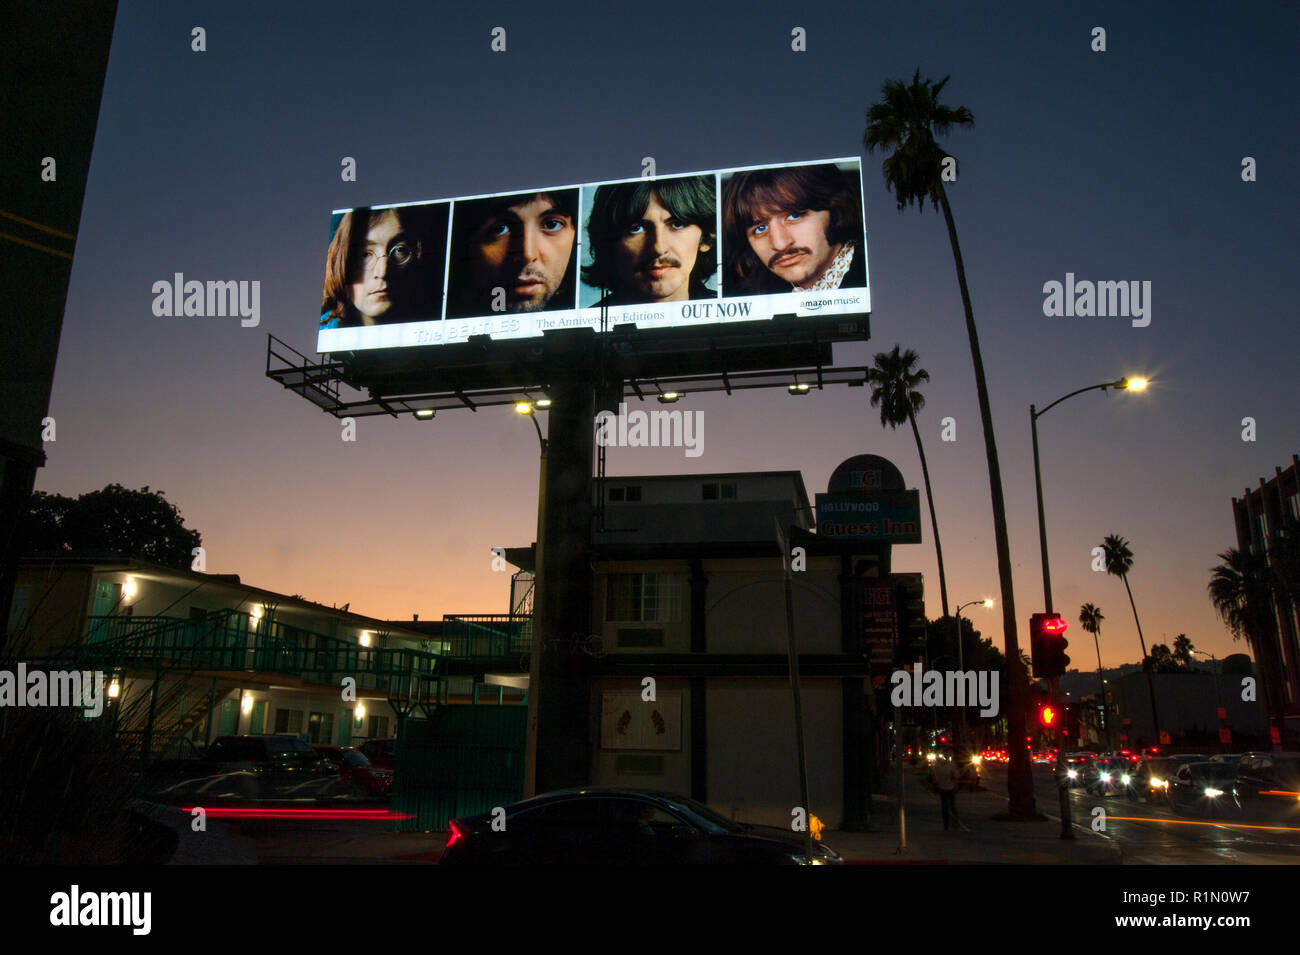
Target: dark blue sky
[{"x": 1118, "y": 166}]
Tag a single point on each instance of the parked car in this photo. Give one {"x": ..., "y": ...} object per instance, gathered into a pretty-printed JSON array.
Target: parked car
[
  {"x": 381, "y": 752},
  {"x": 1203, "y": 789},
  {"x": 357, "y": 773},
  {"x": 622, "y": 827},
  {"x": 1268, "y": 786},
  {"x": 253, "y": 767}
]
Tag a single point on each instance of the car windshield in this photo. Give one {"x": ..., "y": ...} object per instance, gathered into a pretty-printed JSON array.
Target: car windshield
[{"x": 354, "y": 758}]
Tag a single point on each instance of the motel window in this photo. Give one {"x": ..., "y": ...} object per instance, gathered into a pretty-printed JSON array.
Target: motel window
[
  {"x": 616, "y": 493},
  {"x": 643, "y": 598},
  {"x": 715, "y": 492},
  {"x": 626, "y": 493},
  {"x": 378, "y": 727},
  {"x": 320, "y": 727},
  {"x": 1293, "y": 503},
  {"x": 288, "y": 721}
]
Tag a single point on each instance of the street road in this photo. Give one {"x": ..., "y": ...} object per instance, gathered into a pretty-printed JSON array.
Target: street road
[{"x": 1155, "y": 835}]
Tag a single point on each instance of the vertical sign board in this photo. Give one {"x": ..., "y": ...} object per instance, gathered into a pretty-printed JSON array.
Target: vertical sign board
[{"x": 879, "y": 623}]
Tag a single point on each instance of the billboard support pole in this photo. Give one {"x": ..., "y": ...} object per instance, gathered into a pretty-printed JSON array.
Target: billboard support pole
[
  {"x": 560, "y": 736},
  {"x": 535, "y": 648}
]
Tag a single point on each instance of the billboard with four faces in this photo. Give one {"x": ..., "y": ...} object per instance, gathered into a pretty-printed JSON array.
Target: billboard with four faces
[{"x": 730, "y": 245}]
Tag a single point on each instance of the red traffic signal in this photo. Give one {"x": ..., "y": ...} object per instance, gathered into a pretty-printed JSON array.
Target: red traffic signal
[
  {"x": 1047, "y": 715},
  {"x": 1047, "y": 644}
]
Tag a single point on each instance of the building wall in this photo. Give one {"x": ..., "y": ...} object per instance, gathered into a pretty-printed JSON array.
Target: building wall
[
  {"x": 746, "y": 606},
  {"x": 49, "y": 608},
  {"x": 625, "y": 766},
  {"x": 753, "y": 755},
  {"x": 1187, "y": 701}
]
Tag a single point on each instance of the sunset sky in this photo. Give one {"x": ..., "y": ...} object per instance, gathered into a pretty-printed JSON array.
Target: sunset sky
[{"x": 1122, "y": 165}]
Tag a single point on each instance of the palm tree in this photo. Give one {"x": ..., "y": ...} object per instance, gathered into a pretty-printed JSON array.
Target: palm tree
[
  {"x": 1241, "y": 589},
  {"x": 1183, "y": 650},
  {"x": 894, "y": 385},
  {"x": 1119, "y": 561},
  {"x": 906, "y": 122},
  {"x": 1090, "y": 616}
]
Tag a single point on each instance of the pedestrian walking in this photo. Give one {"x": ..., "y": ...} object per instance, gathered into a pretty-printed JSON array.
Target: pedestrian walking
[{"x": 944, "y": 775}]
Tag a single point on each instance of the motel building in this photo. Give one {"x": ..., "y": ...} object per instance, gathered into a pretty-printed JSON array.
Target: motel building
[
  {"x": 191, "y": 656},
  {"x": 689, "y": 590}
]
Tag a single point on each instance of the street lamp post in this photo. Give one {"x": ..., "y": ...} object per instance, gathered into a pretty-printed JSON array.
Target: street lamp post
[
  {"x": 961, "y": 667},
  {"x": 1129, "y": 384}
]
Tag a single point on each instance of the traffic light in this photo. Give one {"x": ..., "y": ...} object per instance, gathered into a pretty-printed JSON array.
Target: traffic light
[
  {"x": 1047, "y": 716},
  {"x": 909, "y": 598},
  {"x": 1047, "y": 644}
]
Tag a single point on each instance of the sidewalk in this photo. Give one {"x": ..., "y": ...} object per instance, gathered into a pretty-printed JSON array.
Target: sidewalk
[{"x": 987, "y": 842}]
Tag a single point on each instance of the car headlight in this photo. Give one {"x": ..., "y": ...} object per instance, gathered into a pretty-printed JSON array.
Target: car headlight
[
  {"x": 1212, "y": 792},
  {"x": 1125, "y": 779},
  {"x": 1073, "y": 774},
  {"x": 1105, "y": 777},
  {"x": 1158, "y": 783}
]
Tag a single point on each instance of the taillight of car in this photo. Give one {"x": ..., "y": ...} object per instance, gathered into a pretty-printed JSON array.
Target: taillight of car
[{"x": 456, "y": 836}]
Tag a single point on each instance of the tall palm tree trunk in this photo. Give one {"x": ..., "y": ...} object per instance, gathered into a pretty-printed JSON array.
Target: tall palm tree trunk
[
  {"x": 1020, "y": 783},
  {"x": 1151, "y": 683},
  {"x": 934, "y": 522}
]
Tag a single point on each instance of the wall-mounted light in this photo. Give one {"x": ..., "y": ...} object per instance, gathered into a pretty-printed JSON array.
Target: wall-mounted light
[
  {"x": 668, "y": 397},
  {"x": 543, "y": 402},
  {"x": 524, "y": 407},
  {"x": 256, "y": 615},
  {"x": 129, "y": 588},
  {"x": 425, "y": 414},
  {"x": 114, "y": 689},
  {"x": 798, "y": 388},
  {"x": 360, "y": 712},
  {"x": 365, "y": 638},
  {"x": 246, "y": 705}
]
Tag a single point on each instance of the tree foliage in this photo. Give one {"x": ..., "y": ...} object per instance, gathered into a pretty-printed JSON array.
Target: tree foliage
[{"x": 140, "y": 524}]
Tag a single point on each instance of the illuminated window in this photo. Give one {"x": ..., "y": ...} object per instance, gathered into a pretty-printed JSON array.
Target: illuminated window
[{"x": 643, "y": 598}]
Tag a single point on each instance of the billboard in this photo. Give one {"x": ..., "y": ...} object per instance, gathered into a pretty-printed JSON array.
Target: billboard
[{"x": 729, "y": 245}]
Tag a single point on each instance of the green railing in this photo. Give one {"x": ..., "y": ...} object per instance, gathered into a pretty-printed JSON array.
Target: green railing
[
  {"x": 225, "y": 641},
  {"x": 486, "y": 636}
]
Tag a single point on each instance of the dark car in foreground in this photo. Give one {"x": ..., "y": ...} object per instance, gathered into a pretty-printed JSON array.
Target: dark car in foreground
[
  {"x": 1268, "y": 786},
  {"x": 622, "y": 827},
  {"x": 1203, "y": 789}
]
